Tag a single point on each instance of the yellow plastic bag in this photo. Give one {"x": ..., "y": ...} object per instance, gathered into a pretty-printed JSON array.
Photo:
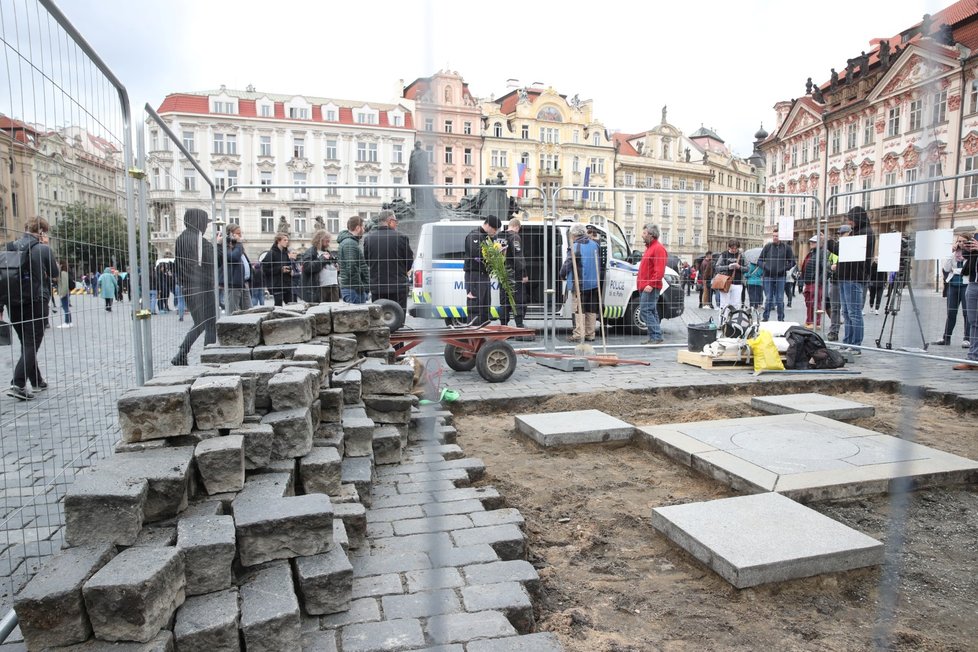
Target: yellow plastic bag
[{"x": 765, "y": 351}]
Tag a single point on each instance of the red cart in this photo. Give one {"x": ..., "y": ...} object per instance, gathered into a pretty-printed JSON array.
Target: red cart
[{"x": 484, "y": 348}]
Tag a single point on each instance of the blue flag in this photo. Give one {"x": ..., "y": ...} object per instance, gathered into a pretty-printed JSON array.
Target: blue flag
[{"x": 587, "y": 180}]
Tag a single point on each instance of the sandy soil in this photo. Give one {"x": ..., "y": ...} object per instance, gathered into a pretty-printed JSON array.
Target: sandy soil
[{"x": 611, "y": 583}]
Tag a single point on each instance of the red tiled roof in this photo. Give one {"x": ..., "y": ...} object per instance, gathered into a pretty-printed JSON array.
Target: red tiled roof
[
  {"x": 955, "y": 13},
  {"x": 507, "y": 103},
  {"x": 180, "y": 103},
  {"x": 18, "y": 130},
  {"x": 624, "y": 147},
  {"x": 247, "y": 108}
]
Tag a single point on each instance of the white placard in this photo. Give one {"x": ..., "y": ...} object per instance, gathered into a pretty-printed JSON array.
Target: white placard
[
  {"x": 786, "y": 228},
  {"x": 665, "y": 286},
  {"x": 933, "y": 245},
  {"x": 852, "y": 249},
  {"x": 889, "y": 256}
]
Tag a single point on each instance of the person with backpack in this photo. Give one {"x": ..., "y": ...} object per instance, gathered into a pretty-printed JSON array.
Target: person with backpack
[{"x": 27, "y": 268}]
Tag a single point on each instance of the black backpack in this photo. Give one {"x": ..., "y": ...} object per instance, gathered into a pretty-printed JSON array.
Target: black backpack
[
  {"x": 15, "y": 271},
  {"x": 807, "y": 350}
]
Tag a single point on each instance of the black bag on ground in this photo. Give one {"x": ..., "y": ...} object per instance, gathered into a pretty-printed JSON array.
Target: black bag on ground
[
  {"x": 807, "y": 350},
  {"x": 15, "y": 271}
]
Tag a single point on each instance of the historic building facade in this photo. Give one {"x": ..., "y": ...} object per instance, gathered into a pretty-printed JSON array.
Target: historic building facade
[
  {"x": 75, "y": 166},
  {"x": 18, "y": 151},
  {"x": 251, "y": 138},
  {"x": 904, "y": 112},
  {"x": 556, "y": 142},
  {"x": 449, "y": 127}
]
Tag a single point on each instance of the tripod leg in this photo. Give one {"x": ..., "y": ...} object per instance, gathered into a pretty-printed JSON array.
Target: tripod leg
[
  {"x": 886, "y": 316},
  {"x": 894, "y": 309},
  {"x": 916, "y": 312}
]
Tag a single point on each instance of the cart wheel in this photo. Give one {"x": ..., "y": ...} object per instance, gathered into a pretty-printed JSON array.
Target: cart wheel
[
  {"x": 496, "y": 361},
  {"x": 391, "y": 314},
  {"x": 459, "y": 359}
]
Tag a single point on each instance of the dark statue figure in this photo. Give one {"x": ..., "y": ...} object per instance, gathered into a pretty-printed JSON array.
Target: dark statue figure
[
  {"x": 885, "y": 54},
  {"x": 834, "y": 80},
  {"x": 925, "y": 25},
  {"x": 817, "y": 95},
  {"x": 944, "y": 35},
  {"x": 850, "y": 70},
  {"x": 808, "y": 86},
  {"x": 687, "y": 155}
]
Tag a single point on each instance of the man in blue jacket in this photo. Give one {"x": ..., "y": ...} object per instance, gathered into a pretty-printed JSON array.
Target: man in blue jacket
[{"x": 776, "y": 259}]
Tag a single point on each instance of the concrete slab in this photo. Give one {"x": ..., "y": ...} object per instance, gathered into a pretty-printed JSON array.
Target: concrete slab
[
  {"x": 573, "y": 428},
  {"x": 804, "y": 456},
  {"x": 830, "y": 407},
  {"x": 751, "y": 540}
]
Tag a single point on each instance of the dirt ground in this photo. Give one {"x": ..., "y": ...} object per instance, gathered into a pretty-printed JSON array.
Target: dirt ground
[{"x": 611, "y": 583}]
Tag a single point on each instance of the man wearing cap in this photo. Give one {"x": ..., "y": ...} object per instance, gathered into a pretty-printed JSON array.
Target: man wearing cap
[
  {"x": 389, "y": 257},
  {"x": 852, "y": 276},
  {"x": 776, "y": 259},
  {"x": 812, "y": 279},
  {"x": 477, "y": 288}
]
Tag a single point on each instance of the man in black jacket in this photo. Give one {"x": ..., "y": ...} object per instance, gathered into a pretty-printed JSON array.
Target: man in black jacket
[
  {"x": 29, "y": 310},
  {"x": 389, "y": 257},
  {"x": 969, "y": 248},
  {"x": 477, "y": 288},
  {"x": 852, "y": 276},
  {"x": 194, "y": 260},
  {"x": 775, "y": 260}
]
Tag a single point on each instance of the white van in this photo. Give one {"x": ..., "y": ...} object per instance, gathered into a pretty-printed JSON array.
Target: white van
[{"x": 438, "y": 286}]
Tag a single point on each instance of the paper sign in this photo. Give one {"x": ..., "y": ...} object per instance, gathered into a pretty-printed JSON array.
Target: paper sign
[
  {"x": 933, "y": 245},
  {"x": 665, "y": 286},
  {"x": 889, "y": 256},
  {"x": 852, "y": 249},
  {"x": 786, "y": 228}
]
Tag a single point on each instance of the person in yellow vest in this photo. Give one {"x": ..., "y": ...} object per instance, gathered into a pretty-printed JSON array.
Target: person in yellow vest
[{"x": 833, "y": 307}]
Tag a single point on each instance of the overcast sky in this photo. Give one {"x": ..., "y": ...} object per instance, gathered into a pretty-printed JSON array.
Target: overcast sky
[{"x": 716, "y": 63}]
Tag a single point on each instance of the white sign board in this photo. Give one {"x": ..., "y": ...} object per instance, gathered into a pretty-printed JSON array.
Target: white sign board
[
  {"x": 786, "y": 228},
  {"x": 852, "y": 249},
  {"x": 933, "y": 245},
  {"x": 889, "y": 256}
]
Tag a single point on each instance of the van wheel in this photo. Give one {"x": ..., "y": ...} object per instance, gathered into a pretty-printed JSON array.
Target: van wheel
[
  {"x": 633, "y": 322},
  {"x": 459, "y": 359},
  {"x": 496, "y": 361},
  {"x": 391, "y": 314}
]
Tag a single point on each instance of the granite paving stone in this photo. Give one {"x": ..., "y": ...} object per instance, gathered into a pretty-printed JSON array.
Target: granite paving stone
[
  {"x": 573, "y": 428},
  {"x": 460, "y": 628},
  {"x": 402, "y": 634},
  {"x": 374, "y": 585},
  {"x": 830, "y": 407},
  {"x": 421, "y": 604}
]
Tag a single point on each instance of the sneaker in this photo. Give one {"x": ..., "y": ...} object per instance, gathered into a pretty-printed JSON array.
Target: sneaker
[
  {"x": 573, "y": 340},
  {"x": 966, "y": 344},
  {"x": 944, "y": 342},
  {"x": 40, "y": 387},
  {"x": 964, "y": 366},
  {"x": 876, "y": 312},
  {"x": 658, "y": 341},
  {"x": 65, "y": 326},
  {"x": 832, "y": 337},
  {"x": 20, "y": 393}
]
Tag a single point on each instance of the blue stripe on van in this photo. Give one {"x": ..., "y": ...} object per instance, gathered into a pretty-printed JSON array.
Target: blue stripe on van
[{"x": 448, "y": 265}]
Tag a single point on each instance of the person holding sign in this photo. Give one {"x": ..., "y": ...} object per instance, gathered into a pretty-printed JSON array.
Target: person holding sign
[
  {"x": 970, "y": 250},
  {"x": 852, "y": 273}
]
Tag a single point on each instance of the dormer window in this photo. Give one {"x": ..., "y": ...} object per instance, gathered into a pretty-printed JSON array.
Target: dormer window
[
  {"x": 228, "y": 108},
  {"x": 299, "y": 113},
  {"x": 366, "y": 116}
]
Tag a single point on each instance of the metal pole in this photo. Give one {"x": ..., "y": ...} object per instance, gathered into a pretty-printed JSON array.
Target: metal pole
[
  {"x": 143, "y": 324},
  {"x": 224, "y": 247}
]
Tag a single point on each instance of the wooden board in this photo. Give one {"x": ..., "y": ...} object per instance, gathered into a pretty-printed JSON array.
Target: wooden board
[{"x": 704, "y": 361}]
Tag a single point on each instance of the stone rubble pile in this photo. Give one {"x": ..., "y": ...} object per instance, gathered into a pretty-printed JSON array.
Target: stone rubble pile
[{"x": 236, "y": 493}]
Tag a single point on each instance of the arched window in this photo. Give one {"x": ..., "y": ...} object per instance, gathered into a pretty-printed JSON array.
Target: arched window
[{"x": 497, "y": 130}]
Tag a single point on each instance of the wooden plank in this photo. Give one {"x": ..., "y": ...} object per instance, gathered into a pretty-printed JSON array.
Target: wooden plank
[{"x": 704, "y": 361}]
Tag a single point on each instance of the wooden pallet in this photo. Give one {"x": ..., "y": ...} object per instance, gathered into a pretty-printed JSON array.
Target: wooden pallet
[{"x": 704, "y": 361}]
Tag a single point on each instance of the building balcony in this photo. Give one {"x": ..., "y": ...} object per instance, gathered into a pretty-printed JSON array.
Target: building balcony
[
  {"x": 162, "y": 194},
  {"x": 550, "y": 173}
]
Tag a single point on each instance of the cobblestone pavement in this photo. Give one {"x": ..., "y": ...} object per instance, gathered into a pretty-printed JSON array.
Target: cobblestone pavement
[{"x": 43, "y": 442}]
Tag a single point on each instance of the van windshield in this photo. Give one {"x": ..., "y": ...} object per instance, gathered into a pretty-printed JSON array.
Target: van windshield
[{"x": 619, "y": 248}]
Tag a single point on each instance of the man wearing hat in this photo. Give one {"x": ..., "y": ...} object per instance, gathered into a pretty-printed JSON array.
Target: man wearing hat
[
  {"x": 477, "y": 288},
  {"x": 852, "y": 276},
  {"x": 814, "y": 292}
]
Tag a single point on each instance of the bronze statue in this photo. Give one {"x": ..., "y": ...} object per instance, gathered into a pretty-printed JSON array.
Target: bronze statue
[
  {"x": 817, "y": 95},
  {"x": 808, "y": 86},
  {"x": 834, "y": 80},
  {"x": 283, "y": 224},
  {"x": 885, "y": 54}
]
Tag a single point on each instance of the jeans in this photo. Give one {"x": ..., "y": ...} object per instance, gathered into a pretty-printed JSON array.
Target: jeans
[
  {"x": 353, "y": 296},
  {"x": 257, "y": 296},
  {"x": 237, "y": 299},
  {"x": 66, "y": 308},
  {"x": 28, "y": 321},
  {"x": 834, "y": 309},
  {"x": 971, "y": 313},
  {"x": 773, "y": 296},
  {"x": 152, "y": 302},
  {"x": 756, "y": 295},
  {"x": 851, "y": 297},
  {"x": 955, "y": 298},
  {"x": 648, "y": 307}
]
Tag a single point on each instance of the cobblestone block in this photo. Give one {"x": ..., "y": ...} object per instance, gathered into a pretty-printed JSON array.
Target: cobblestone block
[
  {"x": 217, "y": 354},
  {"x": 358, "y": 436},
  {"x": 455, "y": 507},
  {"x": 293, "y": 433},
  {"x": 318, "y": 353},
  {"x": 320, "y": 471},
  {"x": 260, "y": 370},
  {"x": 508, "y": 597},
  {"x": 155, "y": 413},
  {"x": 389, "y": 416},
  {"x": 331, "y": 403},
  {"x": 221, "y": 463},
  {"x": 270, "y": 610},
  {"x": 431, "y": 524},
  {"x": 325, "y": 581},
  {"x": 488, "y": 496},
  {"x": 422, "y": 604},
  {"x": 389, "y": 562},
  {"x": 319, "y": 641},
  {"x": 282, "y": 528},
  {"x": 207, "y": 544},
  {"x": 340, "y": 537},
  {"x": 455, "y": 556},
  {"x": 350, "y": 381},
  {"x": 342, "y": 348},
  {"x": 475, "y": 467},
  {"x": 281, "y": 352},
  {"x": 517, "y": 570},
  {"x": 134, "y": 596},
  {"x": 102, "y": 507},
  {"x": 354, "y": 516},
  {"x": 394, "y": 514},
  {"x": 322, "y": 318},
  {"x": 433, "y": 578},
  {"x": 293, "y": 388},
  {"x": 380, "y": 378},
  {"x": 257, "y": 443},
  {"x": 168, "y": 472},
  {"x": 497, "y": 517},
  {"x": 208, "y": 623},
  {"x": 381, "y": 529},
  {"x": 158, "y": 536},
  {"x": 539, "y": 642},
  {"x": 376, "y": 585},
  {"x": 290, "y": 330},
  {"x": 217, "y": 402},
  {"x": 364, "y": 610},
  {"x": 240, "y": 330},
  {"x": 461, "y": 628},
  {"x": 359, "y": 471},
  {"x": 330, "y": 435},
  {"x": 386, "y": 445},
  {"x": 138, "y": 446},
  {"x": 50, "y": 608},
  {"x": 403, "y": 634},
  {"x": 377, "y": 338},
  {"x": 179, "y": 375},
  {"x": 209, "y": 507},
  {"x": 507, "y": 540},
  {"x": 266, "y": 486},
  {"x": 350, "y": 318},
  {"x": 348, "y": 494}
]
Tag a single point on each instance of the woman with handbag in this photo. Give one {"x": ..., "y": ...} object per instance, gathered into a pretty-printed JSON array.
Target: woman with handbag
[{"x": 728, "y": 280}]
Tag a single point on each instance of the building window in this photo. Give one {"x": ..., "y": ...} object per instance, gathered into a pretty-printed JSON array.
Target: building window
[
  {"x": 298, "y": 147},
  {"x": 666, "y": 208},
  {"x": 398, "y": 121},
  {"x": 366, "y": 118},
  {"x": 265, "y": 181},
  {"x": 266, "y": 111},
  {"x": 869, "y": 133},
  {"x": 264, "y": 146},
  {"x": 234, "y": 216},
  {"x": 232, "y": 143},
  {"x": 915, "y": 113},
  {"x": 697, "y": 210},
  {"x": 497, "y": 130},
  {"x": 867, "y": 186},
  {"x": 218, "y": 144},
  {"x": 648, "y": 207},
  {"x": 330, "y": 150},
  {"x": 448, "y": 126},
  {"x": 298, "y": 113},
  {"x": 154, "y": 141},
  {"x": 794, "y": 155},
  {"x": 398, "y": 154},
  {"x": 267, "y": 221},
  {"x": 467, "y": 156},
  {"x": 549, "y": 135},
  {"x": 973, "y": 96},
  {"x": 449, "y": 156},
  {"x": 893, "y": 122},
  {"x": 397, "y": 181},
  {"x": 224, "y": 107},
  {"x": 330, "y": 115},
  {"x": 361, "y": 151},
  {"x": 525, "y": 132},
  {"x": 449, "y": 191},
  {"x": 836, "y": 141},
  {"x": 971, "y": 183},
  {"x": 804, "y": 152},
  {"x": 467, "y": 128},
  {"x": 933, "y": 189},
  {"x": 939, "y": 112},
  {"x": 232, "y": 180},
  {"x": 889, "y": 195},
  {"x": 910, "y": 192},
  {"x": 597, "y": 166},
  {"x": 852, "y": 131},
  {"x": 629, "y": 180},
  {"x": 188, "y": 141},
  {"x": 596, "y": 139},
  {"x": 299, "y": 179},
  {"x": 849, "y": 198},
  {"x": 333, "y": 221},
  {"x": 429, "y": 124},
  {"x": 189, "y": 179},
  {"x": 430, "y": 151},
  {"x": 498, "y": 159},
  {"x": 331, "y": 180},
  {"x": 575, "y": 164},
  {"x": 299, "y": 220},
  {"x": 682, "y": 210}
]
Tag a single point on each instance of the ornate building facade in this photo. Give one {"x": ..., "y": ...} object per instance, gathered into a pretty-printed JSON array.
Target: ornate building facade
[
  {"x": 75, "y": 166},
  {"x": 18, "y": 152},
  {"x": 264, "y": 139}
]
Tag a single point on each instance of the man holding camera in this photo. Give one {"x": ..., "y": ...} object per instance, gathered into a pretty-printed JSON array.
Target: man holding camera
[{"x": 238, "y": 273}]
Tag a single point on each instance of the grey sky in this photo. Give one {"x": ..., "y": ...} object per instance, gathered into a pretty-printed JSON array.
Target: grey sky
[{"x": 717, "y": 63}]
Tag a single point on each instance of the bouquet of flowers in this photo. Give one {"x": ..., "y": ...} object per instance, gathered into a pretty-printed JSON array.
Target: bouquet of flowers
[{"x": 494, "y": 259}]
